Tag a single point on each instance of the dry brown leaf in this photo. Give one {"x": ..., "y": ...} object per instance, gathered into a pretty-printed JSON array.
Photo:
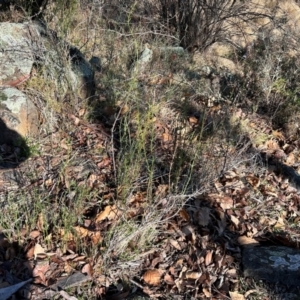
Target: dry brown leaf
[
  {"x": 87, "y": 268},
  {"x": 219, "y": 186},
  {"x": 244, "y": 240},
  {"x": 179, "y": 262},
  {"x": 179, "y": 284},
  {"x": 231, "y": 175},
  {"x": 193, "y": 120},
  {"x": 279, "y": 154},
  {"x": 168, "y": 279},
  {"x": 234, "y": 220},
  {"x": 138, "y": 197},
  {"x": 38, "y": 249},
  {"x": 280, "y": 224},
  {"x": 64, "y": 144},
  {"x": 92, "y": 180},
  {"x": 152, "y": 277},
  {"x": 278, "y": 135},
  {"x": 68, "y": 268},
  {"x": 238, "y": 113},
  {"x": 225, "y": 202},
  {"x": 65, "y": 235},
  {"x": 208, "y": 258},
  {"x": 109, "y": 213},
  {"x": 48, "y": 182},
  {"x": 164, "y": 80},
  {"x": 81, "y": 112},
  {"x": 218, "y": 260},
  {"x": 70, "y": 256},
  {"x": 215, "y": 108},
  {"x": 34, "y": 234},
  {"x": 232, "y": 273},
  {"x": 96, "y": 237},
  {"x": 125, "y": 108},
  {"x": 206, "y": 292},
  {"x": 189, "y": 232},
  {"x": 184, "y": 215},
  {"x": 81, "y": 232},
  {"x": 40, "y": 222},
  {"x": 105, "y": 162},
  {"x": 266, "y": 221},
  {"x": 80, "y": 258},
  {"x": 162, "y": 190},
  {"x": 40, "y": 271},
  {"x": 175, "y": 244},
  {"x": 272, "y": 145},
  {"x": 76, "y": 121},
  {"x": 236, "y": 296},
  {"x": 193, "y": 275},
  {"x": 290, "y": 160},
  {"x": 154, "y": 81},
  {"x": 30, "y": 253},
  {"x": 253, "y": 180},
  {"x": 166, "y": 137}
]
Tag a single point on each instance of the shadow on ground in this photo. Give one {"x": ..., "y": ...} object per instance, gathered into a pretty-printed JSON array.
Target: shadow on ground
[
  {"x": 14, "y": 269},
  {"x": 13, "y": 147}
]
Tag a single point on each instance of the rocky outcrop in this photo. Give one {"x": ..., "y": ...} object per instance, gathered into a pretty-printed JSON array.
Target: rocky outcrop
[
  {"x": 18, "y": 112},
  {"x": 17, "y": 53},
  {"x": 63, "y": 70},
  {"x": 149, "y": 54},
  {"x": 274, "y": 264}
]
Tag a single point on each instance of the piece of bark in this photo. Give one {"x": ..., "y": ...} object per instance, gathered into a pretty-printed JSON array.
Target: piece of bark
[{"x": 75, "y": 279}]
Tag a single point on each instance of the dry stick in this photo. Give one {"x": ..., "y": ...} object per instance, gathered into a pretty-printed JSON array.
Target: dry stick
[
  {"x": 136, "y": 283},
  {"x": 173, "y": 160},
  {"x": 112, "y": 142}
]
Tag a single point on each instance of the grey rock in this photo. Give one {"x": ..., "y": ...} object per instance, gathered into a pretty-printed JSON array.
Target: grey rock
[
  {"x": 144, "y": 59},
  {"x": 96, "y": 63},
  {"x": 274, "y": 264},
  {"x": 150, "y": 53},
  {"x": 16, "y": 55},
  {"x": 22, "y": 45},
  {"x": 65, "y": 71},
  {"x": 191, "y": 75},
  {"x": 82, "y": 74},
  {"x": 19, "y": 115}
]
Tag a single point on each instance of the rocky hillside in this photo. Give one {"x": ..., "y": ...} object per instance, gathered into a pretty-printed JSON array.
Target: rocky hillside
[{"x": 149, "y": 149}]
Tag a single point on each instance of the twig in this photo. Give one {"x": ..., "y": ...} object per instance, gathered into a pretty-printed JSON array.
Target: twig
[
  {"x": 112, "y": 142},
  {"x": 137, "y": 284}
]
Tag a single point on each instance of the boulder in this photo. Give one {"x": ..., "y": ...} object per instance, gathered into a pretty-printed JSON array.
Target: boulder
[
  {"x": 274, "y": 264},
  {"x": 63, "y": 71},
  {"x": 19, "y": 114},
  {"x": 150, "y": 54},
  {"x": 28, "y": 44},
  {"x": 16, "y": 55}
]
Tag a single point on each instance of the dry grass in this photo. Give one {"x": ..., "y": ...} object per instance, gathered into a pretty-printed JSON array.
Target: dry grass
[{"x": 169, "y": 138}]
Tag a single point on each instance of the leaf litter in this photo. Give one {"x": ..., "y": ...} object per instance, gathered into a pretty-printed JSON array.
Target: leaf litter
[{"x": 196, "y": 250}]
